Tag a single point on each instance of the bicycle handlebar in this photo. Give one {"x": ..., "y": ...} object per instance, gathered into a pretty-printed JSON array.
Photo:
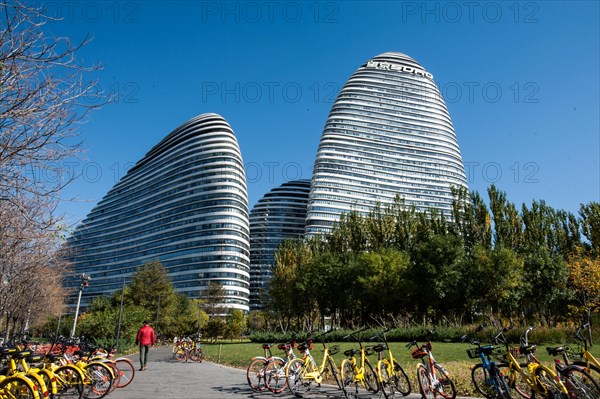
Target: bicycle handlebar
[{"x": 526, "y": 342}]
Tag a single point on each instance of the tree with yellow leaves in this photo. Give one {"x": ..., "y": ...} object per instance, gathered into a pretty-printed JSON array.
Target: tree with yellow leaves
[{"x": 584, "y": 276}]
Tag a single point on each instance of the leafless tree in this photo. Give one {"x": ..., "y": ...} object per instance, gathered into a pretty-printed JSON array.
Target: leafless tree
[
  {"x": 31, "y": 268},
  {"x": 44, "y": 99}
]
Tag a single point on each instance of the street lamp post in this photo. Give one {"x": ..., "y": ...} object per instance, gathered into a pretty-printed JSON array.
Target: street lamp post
[{"x": 84, "y": 283}]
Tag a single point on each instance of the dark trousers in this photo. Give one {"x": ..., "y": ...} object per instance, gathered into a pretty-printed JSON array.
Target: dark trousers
[{"x": 144, "y": 355}]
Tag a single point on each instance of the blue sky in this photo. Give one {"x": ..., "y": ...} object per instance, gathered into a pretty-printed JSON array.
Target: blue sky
[{"x": 520, "y": 79}]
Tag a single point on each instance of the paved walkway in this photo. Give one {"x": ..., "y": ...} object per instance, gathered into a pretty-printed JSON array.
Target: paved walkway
[{"x": 167, "y": 378}]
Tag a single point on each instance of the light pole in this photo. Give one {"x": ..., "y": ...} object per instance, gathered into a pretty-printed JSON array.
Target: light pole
[{"x": 84, "y": 283}]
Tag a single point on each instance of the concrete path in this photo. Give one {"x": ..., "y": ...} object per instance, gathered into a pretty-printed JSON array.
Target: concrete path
[{"x": 167, "y": 378}]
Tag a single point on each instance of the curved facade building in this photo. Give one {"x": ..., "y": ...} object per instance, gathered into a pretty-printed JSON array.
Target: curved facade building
[
  {"x": 278, "y": 216},
  {"x": 388, "y": 133},
  {"x": 184, "y": 203}
]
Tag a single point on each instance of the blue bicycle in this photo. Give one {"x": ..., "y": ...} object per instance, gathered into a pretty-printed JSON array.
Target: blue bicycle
[{"x": 487, "y": 376}]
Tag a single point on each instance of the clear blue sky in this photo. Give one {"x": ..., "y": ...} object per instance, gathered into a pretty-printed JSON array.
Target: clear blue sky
[{"x": 520, "y": 79}]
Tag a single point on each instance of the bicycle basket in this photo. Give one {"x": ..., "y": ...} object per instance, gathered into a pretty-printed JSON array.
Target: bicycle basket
[
  {"x": 473, "y": 353},
  {"x": 334, "y": 350},
  {"x": 303, "y": 346},
  {"x": 419, "y": 353}
]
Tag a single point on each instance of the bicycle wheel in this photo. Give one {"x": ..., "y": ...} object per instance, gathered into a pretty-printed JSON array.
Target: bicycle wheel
[
  {"x": 181, "y": 355},
  {"x": 69, "y": 382},
  {"x": 501, "y": 385},
  {"x": 400, "y": 380},
  {"x": 550, "y": 387},
  {"x": 49, "y": 380},
  {"x": 256, "y": 374},
  {"x": 126, "y": 372},
  {"x": 445, "y": 387},
  {"x": 592, "y": 370},
  {"x": 336, "y": 374},
  {"x": 370, "y": 381},
  {"x": 196, "y": 355},
  {"x": 387, "y": 388},
  {"x": 98, "y": 381},
  {"x": 425, "y": 386},
  {"x": 297, "y": 383},
  {"x": 17, "y": 387},
  {"x": 275, "y": 380},
  {"x": 347, "y": 373},
  {"x": 579, "y": 383},
  {"x": 515, "y": 382},
  {"x": 482, "y": 381},
  {"x": 115, "y": 372}
]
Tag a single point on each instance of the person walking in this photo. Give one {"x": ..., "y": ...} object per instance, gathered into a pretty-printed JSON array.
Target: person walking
[{"x": 145, "y": 338}]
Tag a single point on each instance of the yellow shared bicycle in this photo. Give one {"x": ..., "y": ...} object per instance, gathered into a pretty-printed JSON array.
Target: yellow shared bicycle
[
  {"x": 302, "y": 372},
  {"x": 358, "y": 371},
  {"x": 529, "y": 379},
  {"x": 391, "y": 375}
]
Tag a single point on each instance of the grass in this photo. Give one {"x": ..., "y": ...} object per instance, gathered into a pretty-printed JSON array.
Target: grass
[{"x": 452, "y": 355}]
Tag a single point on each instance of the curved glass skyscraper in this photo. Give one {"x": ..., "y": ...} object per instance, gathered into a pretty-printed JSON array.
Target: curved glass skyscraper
[
  {"x": 388, "y": 133},
  {"x": 279, "y": 215},
  {"x": 184, "y": 203}
]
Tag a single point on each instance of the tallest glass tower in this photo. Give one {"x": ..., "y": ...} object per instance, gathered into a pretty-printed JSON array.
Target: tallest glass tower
[{"x": 388, "y": 133}]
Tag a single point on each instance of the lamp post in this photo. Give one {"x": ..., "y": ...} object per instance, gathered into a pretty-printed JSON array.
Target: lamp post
[{"x": 84, "y": 283}]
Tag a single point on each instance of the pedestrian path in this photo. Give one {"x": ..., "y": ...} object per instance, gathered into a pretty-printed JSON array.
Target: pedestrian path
[{"x": 166, "y": 378}]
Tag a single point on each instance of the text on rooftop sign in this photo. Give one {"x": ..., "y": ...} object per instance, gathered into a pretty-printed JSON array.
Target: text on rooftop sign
[{"x": 401, "y": 68}]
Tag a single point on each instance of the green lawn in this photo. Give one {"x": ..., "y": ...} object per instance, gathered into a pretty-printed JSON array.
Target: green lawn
[{"x": 452, "y": 355}]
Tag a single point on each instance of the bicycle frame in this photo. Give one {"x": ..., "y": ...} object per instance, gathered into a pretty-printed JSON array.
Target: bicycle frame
[
  {"x": 483, "y": 353},
  {"x": 359, "y": 371},
  {"x": 428, "y": 367},
  {"x": 313, "y": 371},
  {"x": 361, "y": 368},
  {"x": 533, "y": 364}
]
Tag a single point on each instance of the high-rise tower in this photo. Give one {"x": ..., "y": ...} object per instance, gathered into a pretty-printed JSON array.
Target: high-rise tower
[
  {"x": 184, "y": 203},
  {"x": 279, "y": 215},
  {"x": 389, "y": 133}
]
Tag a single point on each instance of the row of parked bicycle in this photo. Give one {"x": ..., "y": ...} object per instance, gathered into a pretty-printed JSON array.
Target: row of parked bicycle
[
  {"x": 67, "y": 368},
  {"x": 187, "y": 348},
  {"x": 503, "y": 372}
]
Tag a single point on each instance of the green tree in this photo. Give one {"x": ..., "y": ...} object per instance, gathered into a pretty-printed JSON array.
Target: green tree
[
  {"x": 590, "y": 224},
  {"x": 236, "y": 323},
  {"x": 213, "y": 297},
  {"x": 215, "y": 327},
  {"x": 149, "y": 284},
  {"x": 436, "y": 281},
  {"x": 381, "y": 287}
]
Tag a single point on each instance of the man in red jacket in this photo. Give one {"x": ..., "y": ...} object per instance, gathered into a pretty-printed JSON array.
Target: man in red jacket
[{"x": 145, "y": 338}]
